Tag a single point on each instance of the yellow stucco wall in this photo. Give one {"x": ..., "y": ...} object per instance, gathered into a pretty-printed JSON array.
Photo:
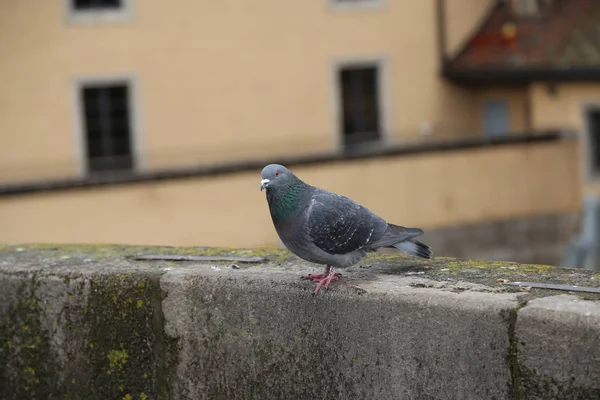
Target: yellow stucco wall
[
  {"x": 229, "y": 80},
  {"x": 428, "y": 191},
  {"x": 564, "y": 109},
  {"x": 218, "y": 80}
]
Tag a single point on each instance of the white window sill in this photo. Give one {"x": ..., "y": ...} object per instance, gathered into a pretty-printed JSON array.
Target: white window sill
[
  {"x": 355, "y": 5},
  {"x": 98, "y": 17}
]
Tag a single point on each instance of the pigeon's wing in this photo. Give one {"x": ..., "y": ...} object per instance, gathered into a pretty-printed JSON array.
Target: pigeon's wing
[{"x": 338, "y": 225}]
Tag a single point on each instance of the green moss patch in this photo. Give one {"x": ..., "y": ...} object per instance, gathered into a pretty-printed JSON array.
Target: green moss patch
[
  {"x": 110, "y": 332},
  {"x": 126, "y": 346}
]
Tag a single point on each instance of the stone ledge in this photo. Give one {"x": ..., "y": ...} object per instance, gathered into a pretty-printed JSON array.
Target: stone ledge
[{"x": 92, "y": 322}]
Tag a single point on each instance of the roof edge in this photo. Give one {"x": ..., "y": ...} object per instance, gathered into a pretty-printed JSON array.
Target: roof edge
[{"x": 520, "y": 75}]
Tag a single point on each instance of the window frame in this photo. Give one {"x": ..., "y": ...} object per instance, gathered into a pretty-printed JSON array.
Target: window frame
[
  {"x": 79, "y": 122},
  {"x": 382, "y": 65}
]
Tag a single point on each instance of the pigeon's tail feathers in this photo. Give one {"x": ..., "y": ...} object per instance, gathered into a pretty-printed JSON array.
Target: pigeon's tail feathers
[
  {"x": 416, "y": 248},
  {"x": 405, "y": 232},
  {"x": 394, "y": 234}
]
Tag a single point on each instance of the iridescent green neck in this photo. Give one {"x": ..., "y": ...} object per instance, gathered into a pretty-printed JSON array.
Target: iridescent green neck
[{"x": 286, "y": 202}]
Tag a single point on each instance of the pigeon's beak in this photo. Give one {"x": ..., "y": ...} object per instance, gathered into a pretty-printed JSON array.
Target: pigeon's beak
[{"x": 264, "y": 183}]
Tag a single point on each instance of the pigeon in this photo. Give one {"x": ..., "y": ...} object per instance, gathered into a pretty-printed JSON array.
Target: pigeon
[{"x": 327, "y": 228}]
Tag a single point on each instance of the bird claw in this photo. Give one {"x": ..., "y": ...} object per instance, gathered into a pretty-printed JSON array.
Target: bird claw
[
  {"x": 323, "y": 279},
  {"x": 319, "y": 277}
]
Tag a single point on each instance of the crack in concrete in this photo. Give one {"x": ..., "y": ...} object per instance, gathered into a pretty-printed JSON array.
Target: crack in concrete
[{"x": 517, "y": 387}]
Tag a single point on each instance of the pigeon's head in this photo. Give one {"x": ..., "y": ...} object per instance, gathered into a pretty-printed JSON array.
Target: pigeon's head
[{"x": 275, "y": 176}]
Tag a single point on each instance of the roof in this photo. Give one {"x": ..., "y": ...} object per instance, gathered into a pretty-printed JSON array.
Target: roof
[{"x": 563, "y": 44}]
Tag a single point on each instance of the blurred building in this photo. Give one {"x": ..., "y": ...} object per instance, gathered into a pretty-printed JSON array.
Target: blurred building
[{"x": 132, "y": 121}]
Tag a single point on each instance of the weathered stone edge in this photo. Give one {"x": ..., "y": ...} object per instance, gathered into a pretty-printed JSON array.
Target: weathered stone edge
[{"x": 522, "y": 307}]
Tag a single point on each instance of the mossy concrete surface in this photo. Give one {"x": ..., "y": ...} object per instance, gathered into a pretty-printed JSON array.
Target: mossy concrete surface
[{"x": 92, "y": 322}]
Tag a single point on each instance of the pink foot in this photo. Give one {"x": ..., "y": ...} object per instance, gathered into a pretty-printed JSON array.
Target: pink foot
[{"x": 323, "y": 279}]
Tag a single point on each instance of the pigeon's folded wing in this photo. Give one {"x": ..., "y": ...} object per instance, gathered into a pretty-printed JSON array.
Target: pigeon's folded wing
[{"x": 338, "y": 225}]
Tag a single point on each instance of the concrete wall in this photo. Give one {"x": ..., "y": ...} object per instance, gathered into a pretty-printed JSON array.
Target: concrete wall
[
  {"x": 433, "y": 190},
  {"x": 91, "y": 323},
  {"x": 217, "y": 80}
]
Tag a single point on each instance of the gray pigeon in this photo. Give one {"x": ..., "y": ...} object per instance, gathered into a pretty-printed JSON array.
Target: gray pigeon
[{"x": 327, "y": 228}]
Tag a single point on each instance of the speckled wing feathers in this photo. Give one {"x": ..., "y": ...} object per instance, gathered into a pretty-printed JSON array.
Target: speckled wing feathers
[{"x": 338, "y": 225}]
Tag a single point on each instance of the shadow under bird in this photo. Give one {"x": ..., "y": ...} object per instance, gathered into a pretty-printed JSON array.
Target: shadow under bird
[{"x": 328, "y": 228}]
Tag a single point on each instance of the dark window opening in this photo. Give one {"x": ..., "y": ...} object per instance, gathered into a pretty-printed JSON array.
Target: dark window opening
[
  {"x": 107, "y": 128},
  {"x": 593, "y": 125},
  {"x": 361, "y": 121},
  {"x": 93, "y": 5}
]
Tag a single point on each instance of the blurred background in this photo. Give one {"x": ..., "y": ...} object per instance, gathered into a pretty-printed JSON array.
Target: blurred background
[{"x": 148, "y": 122}]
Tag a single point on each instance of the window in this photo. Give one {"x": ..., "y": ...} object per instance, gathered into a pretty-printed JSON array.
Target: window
[
  {"x": 495, "y": 118},
  {"x": 360, "y": 114},
  {"x": 592, "y": 116},
  {"x": 96, "y": 4},
  {"x": 98, "y": 11},
  {"x": 106, "y": 127}
]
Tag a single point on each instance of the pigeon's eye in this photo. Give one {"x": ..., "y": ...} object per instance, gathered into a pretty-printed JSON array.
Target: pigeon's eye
[{"x": 277, "y": 173}]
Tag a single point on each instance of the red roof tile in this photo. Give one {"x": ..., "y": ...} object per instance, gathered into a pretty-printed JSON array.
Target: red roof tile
[{"x": 567, "y": 36}]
